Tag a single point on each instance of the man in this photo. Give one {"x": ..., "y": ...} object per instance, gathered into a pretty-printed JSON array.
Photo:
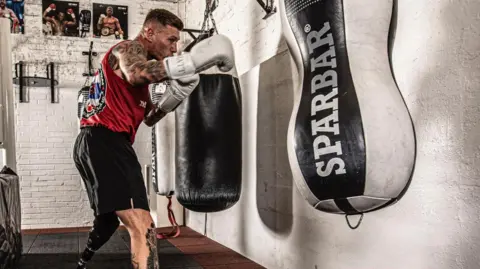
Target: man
[
  {"x": 17, "y": 7},
  {"x": 5, "y": 12},
  {"x": 69, "y": 23},
  {"x": 117, "y": 104},
  {"x": 51, "y": 25},
  {"x": 109, "y": 25}
]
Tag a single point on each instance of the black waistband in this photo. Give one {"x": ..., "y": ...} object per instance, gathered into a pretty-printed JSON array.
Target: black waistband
[{"x": 103, "y": 127}]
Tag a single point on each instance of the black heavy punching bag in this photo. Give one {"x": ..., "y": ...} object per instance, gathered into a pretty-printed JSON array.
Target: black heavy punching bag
[
  {"x": 209, "y": 143},
  {"x": 351, "y": 142}
]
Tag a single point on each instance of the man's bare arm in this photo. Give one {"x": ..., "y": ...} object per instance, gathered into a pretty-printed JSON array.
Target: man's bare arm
[
  {"x": 118, "y": 26},
  {"x": 14, "y": 17},
  {"x": 136, "y": 68}
]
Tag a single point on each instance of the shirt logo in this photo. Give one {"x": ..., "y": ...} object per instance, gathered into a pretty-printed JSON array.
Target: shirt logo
[
  {"x": 143, "y": 104},
  {"x": 95, "y": 98}
]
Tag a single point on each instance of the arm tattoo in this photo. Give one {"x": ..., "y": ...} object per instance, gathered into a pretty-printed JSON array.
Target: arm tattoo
[
  {"x": 152, "y": 259},
  {"x": 135, "y": 263},
  {"x": 138, "y": 70},
  {"x": 113, "y": 62}
]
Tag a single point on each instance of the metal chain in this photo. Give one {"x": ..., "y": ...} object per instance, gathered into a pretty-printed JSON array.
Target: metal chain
[
  {"x": 214, "y": 24},
  {"x": 208, "y": 23},
  {"x": 206, "y": 20}
]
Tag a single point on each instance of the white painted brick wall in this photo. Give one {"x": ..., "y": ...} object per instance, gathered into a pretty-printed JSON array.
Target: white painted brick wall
[
  {"x": 51, "y": 192},
  {"x": 255, "y": 40}
]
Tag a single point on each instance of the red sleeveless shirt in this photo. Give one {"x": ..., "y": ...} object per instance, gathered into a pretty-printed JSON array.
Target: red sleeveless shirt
[{"x": 114, "y": 103}]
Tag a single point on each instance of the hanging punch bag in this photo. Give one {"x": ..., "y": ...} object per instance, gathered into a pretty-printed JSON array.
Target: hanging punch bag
[
  {"x": 351, "y": 142},
  {"x": 163, "y": 161},
  {"x": 163, "y": 147},
  {"x": 209, "y": 143}
]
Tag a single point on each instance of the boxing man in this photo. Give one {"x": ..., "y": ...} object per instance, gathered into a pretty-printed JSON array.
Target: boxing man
[
  {"x": 109, "y": 25},
  {"x": 17, "y": 7},
  {"x": 51, "y": 24},
  {"x": 5, "y": 12},
  {"x": 66, "y": 24},
  {"x": 117, "y": 104}
]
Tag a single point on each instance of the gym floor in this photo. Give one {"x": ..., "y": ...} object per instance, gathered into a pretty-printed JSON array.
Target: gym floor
[{"x": 60, "y": 249}]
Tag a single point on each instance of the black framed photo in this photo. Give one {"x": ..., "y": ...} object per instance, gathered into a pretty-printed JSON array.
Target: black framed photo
[
  {"x": 110, "y": 21},
  {"x": 13, "y": 10},
  {"x": 60, "y": 18}
]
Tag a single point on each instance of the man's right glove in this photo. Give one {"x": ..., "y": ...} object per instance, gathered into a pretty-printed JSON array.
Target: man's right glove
[
  {"x": 179, "y": 90},
  {"x": 216, "y": 50}
]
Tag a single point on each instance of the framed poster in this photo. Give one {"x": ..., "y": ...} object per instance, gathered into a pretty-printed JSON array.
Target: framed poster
[
  {"x": 110, "y": 21},
  {"x": 13, "y": 10},
  {"x": 60, "y": 18}
]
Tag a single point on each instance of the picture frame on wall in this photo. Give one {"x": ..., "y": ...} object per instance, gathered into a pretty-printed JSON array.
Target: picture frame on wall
[
  {"x": 14, "y": 10},
  {"x": 110, "y": 21},
  {"x": 60, "y": 18}
]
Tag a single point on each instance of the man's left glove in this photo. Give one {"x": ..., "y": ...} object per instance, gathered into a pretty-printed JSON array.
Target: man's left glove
[
  {"x": 216, "y": 50},
  {"x": 179, "y": 90}
]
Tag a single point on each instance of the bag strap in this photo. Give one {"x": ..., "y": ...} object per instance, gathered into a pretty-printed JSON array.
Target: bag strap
[
  {"x": 210, "y": 6},
  {"x": 175, "y": 227}
]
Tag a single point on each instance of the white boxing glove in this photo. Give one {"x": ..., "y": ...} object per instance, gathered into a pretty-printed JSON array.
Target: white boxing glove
[
  {"x": 215, "y": 50},
  {"x": 179, "y": 90}
]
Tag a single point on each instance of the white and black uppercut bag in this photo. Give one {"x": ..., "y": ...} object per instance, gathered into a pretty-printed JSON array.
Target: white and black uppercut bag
[
  {"x": 351, "y": 141},
  {"x": 163, "y": 147}
]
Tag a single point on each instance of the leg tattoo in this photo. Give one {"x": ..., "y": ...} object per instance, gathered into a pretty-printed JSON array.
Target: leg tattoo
[{"x": 152, "y": 260}]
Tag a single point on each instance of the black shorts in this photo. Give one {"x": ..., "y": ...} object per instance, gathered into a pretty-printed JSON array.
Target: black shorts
[{"x": 110, "y": 170}]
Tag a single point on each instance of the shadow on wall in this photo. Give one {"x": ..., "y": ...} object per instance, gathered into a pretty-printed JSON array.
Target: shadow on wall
[
  {"x": 274, "y": 177},
  {"x": 444, "y": 107},
  {"x": 461, "y": 23}
]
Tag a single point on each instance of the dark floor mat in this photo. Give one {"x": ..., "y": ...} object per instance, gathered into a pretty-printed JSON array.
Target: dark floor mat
[
  {"x": 62, "y": 251},
  {"x": 110, "y": 261},
  {"x": 27, "y": 241},
  {"x": 115, "y": 245},
  {"x": 50, "y": 261},
  {"x": 172, "y": 257},
  {"x": 64, "y": 243}
]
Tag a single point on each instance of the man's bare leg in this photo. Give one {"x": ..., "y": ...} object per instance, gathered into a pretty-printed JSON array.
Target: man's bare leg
[{"x": 141, "y": 228}]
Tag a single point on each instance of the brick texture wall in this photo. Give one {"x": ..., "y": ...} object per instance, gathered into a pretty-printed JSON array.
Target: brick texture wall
[
  {"x": 51, "y": 191},
  {"x": 255, "y": 39}
]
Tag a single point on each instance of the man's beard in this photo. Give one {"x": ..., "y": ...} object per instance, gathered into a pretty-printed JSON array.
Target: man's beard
[{"x": 2, "y": 6}]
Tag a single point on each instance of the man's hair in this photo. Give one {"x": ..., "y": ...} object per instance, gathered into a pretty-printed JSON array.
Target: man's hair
[{"x": 163, "y": 17}]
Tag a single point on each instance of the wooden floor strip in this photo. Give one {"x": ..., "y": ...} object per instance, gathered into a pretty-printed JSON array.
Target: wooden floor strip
[{"x": 209, "y": 253}]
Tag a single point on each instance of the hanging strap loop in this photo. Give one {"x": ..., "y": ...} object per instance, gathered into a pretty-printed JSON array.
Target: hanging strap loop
[
  {"x": 175, "y": 227},
  {"x": 359, "y": 221}
]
